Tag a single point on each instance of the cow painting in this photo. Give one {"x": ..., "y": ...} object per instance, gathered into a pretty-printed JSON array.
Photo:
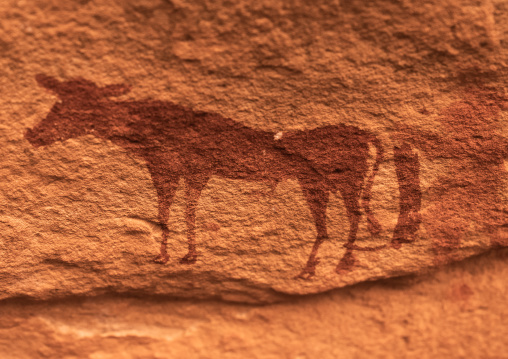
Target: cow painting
[{"x": 180, "y": 143}]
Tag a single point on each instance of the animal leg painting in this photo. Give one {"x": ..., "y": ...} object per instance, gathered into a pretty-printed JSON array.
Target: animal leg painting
[
  {"x": 317, "y": 199},
  {"x": 193, "y": 191}
]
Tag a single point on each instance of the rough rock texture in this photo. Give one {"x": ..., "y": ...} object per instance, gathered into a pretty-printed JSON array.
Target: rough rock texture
[
  {"x": 457, "y": 312},
  {"x": 79, "y": 213}
]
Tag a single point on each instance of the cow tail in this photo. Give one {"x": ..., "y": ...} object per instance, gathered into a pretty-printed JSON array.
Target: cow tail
[{"x": 372, "y": 223}]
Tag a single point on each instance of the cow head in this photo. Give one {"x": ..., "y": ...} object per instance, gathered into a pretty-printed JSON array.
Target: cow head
[{"x": 82, "y": 107}]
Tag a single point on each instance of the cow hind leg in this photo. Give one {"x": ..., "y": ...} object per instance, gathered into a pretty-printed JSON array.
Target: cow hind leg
[
  {"x": 347, "y": 262},
  {"x": 351, "y": 200},
  {"x": 317, "y": 199},
  {"x": 351, "y": 196},
  {"x": 193, "y": 192}
]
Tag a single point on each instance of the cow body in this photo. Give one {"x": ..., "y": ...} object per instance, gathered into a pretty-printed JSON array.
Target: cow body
[{"x": 180, "y": 143}]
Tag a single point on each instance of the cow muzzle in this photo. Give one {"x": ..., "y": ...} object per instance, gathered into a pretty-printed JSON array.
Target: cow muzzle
[{"x": 31, "y": 136}]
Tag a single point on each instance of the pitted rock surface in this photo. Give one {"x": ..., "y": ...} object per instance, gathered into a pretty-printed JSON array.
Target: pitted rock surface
[{"x": 253, "y": 137}]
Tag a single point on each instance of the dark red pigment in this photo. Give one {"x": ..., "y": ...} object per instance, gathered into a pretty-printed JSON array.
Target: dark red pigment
[
  {"x": 407, "y": 167},
  {"x": 469, "y": 193},
  {"x": 177, "y": 142}
]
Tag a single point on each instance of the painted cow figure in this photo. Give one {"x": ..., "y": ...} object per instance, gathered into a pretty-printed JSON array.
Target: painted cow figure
[{"x": 178, "y": 142}]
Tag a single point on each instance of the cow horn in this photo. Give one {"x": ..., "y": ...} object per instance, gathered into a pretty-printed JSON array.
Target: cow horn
[{"x": 47, "y": 81}]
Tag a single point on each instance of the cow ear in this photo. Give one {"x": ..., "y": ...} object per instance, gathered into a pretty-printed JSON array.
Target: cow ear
[
  {"x": 47, "y": 82},
  {"x": 115, "y": 90}
]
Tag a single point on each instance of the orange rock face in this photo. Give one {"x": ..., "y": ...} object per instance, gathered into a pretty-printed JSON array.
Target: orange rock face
[
  {"x": 249, "y": 151},
  {"x": 457, "y": 312}
]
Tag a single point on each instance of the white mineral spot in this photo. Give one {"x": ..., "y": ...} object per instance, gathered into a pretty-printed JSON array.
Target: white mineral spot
[{"x": 278, "y": 136}]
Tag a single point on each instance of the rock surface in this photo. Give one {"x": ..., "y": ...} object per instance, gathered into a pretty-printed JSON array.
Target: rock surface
[
  {"x": 79, "y": 216},
  {"x": 457, "y": 312}
]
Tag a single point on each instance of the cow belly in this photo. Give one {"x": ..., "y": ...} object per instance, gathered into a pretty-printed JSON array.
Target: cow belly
[{"x": 254, "y": 169}]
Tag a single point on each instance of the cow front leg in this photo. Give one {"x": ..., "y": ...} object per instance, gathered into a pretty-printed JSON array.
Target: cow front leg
[
  {"x": 193, "y": 191},
  {"x": 165, "y": 195},
  {"x": 317, "y": 199},
  {"x": 166, "y": 187},
  {"x": 163, "y": 256}
]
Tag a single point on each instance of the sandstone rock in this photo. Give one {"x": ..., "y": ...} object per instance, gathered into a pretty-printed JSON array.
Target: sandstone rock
[
  {"x": 296, "y": 98},
  {"x": 457, "y": 312}
]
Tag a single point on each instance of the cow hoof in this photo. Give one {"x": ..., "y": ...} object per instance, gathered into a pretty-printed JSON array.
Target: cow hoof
[
  {"x": 306, "y": 274},
  {"x": 374, "y": 228},
  {"x": 161, "y": 259},
  {"x": 346, "y": 264},
  {"x": 190, "y": 258},
  {"x": 397, "y": 243}
]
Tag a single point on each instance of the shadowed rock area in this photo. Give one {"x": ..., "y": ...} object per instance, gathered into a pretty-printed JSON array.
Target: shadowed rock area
[{"x": 456, "y": 312}]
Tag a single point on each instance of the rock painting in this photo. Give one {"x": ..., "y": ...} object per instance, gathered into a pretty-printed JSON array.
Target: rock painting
[
  {"x": 180, "y": 143},
  {"x": 470, "y": 140}
]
